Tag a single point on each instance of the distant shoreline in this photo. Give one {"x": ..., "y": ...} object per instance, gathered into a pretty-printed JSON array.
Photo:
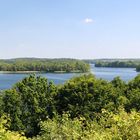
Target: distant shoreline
[
  {"x": 20, "y": 72},
  {"x": 31, "y": 72}
]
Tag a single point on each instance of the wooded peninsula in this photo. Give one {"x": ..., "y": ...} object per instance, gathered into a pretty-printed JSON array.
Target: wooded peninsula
[{"x": 43, "y": 65}]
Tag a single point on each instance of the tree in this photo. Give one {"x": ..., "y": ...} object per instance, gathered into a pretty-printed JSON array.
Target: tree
[
  {"x": 29, "y": 102},
  {"x": 86, "y": 96}
]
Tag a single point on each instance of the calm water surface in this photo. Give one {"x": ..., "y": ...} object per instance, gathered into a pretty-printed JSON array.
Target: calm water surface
[
  {"x": 8, "y": 80},
  {"x": 125, "y": 74}
]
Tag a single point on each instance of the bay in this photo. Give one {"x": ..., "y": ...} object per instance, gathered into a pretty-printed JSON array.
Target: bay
[{"x": 7, "y": 80}]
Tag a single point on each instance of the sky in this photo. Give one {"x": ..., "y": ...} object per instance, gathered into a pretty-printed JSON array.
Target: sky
[{"x": 82, "y": 29}]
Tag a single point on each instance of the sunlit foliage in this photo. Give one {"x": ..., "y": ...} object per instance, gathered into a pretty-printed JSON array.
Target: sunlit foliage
[{"x": 82, "y": 108}]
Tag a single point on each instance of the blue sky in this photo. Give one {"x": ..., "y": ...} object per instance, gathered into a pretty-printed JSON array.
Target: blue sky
[{"x": 70, "y": 28}]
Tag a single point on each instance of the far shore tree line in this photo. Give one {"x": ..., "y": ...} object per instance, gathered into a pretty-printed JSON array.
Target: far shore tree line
[{"x": 119, "y": 64}]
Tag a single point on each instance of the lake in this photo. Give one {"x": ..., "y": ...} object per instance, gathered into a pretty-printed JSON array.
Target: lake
[{"x": 7, "y": 80}]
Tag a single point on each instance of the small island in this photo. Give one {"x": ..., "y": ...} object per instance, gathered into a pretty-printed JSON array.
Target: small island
[{"x": 43, "y": 65}]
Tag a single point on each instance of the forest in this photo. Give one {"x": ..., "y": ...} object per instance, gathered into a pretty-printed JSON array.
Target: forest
[
  {"x": 119, "y": 64},
  {"x": 43, "y": 65},
  {"x": 83, "y": 108}
]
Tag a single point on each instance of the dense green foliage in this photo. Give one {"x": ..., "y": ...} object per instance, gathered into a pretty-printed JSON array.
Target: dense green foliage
[
  {"x": 118, "y": 64},
  {"x": 82, "y": 108},
  {"x": 45, "y": 65},
  {"x": 28, "y": 103},
  {"x": 121, "y": 126},
  {"x": 138, "y": 68},
  {"x": 86, "y": 96},
  {"x": 6, "y": 134}
]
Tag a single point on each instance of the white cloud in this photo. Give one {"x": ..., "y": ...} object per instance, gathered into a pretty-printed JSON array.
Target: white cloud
[{"x": 88, "y": 20}]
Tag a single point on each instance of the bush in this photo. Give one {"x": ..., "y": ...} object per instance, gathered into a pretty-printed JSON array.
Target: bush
[
  {"x": 121, "y": 126},
  {"x": 6, "y": 134}
]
